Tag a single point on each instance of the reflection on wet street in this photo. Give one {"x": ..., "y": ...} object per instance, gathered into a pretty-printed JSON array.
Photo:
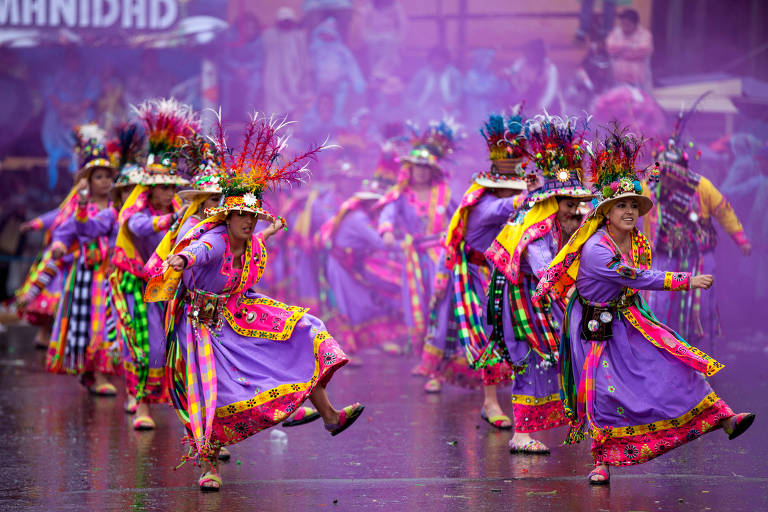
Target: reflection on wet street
[{"x": 63, "y": 450}]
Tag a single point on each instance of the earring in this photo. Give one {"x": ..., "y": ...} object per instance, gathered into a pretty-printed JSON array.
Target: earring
[{"x": 608, "y": 222}]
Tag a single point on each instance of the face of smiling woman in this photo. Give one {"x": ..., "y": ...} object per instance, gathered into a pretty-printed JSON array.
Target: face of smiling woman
[{"x": 623, "y": 214}]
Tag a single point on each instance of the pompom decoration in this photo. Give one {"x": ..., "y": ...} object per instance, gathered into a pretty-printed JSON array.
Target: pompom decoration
[
  {"x": 505, "y": 137},
  {"x": 169, "y": 123},
  {"x": 435, "y": 143},
  {"x": 555, "y": 146}
]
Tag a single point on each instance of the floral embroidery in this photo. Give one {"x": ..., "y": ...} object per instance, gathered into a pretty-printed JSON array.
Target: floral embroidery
[
  {"x": 620, "y": 410},
  {"x": 604, "y": 363},
  {"x": 676, "y": 281},
  {"x": 645, "y": 442},
  {"x": 611, "y": 389}
]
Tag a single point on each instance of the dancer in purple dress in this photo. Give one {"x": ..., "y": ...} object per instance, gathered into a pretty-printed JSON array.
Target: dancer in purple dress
[
  {"x": 150, "y": 210},
  {"x": 629, "y": 381},
  {"x": 363, "y": 278},
  {"x": 79, "y": 341},
  {"x": 414, "y": 214},
  {"x": 526, "y": 334},
  {"x": 459, "y": 316},
  {"x": 681, "y": 227},
  {"x": 239, "y": 361}
]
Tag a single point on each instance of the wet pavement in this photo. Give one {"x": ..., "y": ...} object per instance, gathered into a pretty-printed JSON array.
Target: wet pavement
[{"x": 63, "y": 450}]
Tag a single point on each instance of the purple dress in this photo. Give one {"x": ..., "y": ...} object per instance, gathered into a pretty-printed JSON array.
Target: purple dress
[
  {"x": 79, "y": 340},
  {"x": 363, "y": 288},
  {"x": 535, "y": 392},
  {"x": 443, "y": 356},
  {"x": 638, "y": 388},
  {"x": 148, "y": 227},
  {"x": 423, "y": 222},
  {"x": 302, "y": 264},
  {"x": 45, "y": 280},
  {"x": 527, "y": 333},
  {"x": 247, "y": 363}
]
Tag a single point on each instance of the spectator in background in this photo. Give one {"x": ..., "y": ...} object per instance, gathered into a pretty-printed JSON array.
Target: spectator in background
[
  {"x": 482, "y": 87},
  {"x": 110, "y": 107},
  {"x": 335, "y": 70},
  {"x": 745, "y": 175},
  {"x": 534, "y": 79},
  {"x": 146, "y": 80},
  {"x": 383, "y": 28},
  {"x": 435, "y": 88},
  {"x": 587, "y": 19},
  {"x": 593, "y": 76},
  {"x": 388, "y": 100},
  {"x": 318, "y": 122},
  {"x": 241, "y": 67},
  {"x": 70, "y": 93},
  {"x": 630, "y": 46},
  {"x": 317, "y": 11},
  {"x": 287, "y": 64},
  {"x": 757, "y": 222}
]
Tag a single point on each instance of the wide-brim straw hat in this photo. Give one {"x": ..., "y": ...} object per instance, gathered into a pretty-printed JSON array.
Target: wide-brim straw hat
[{"x": 241, "y": 203}]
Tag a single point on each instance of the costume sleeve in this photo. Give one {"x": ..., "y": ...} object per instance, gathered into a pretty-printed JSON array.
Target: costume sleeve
[
  {"x": 64, "y": 235},
  {"x": 143, "y": 224},
  {"x": 101, "y": 224},
  {"x": 209, "y": 247},
  {"x": 496, "y": 211},
  {"x": 715, "y": 203},
  {"x": 387, "y": 217},
  {"x": 357, "y": 233},
  {"x": 600, "y": 261},
  {"x": 45, "y": 220},
  {"x": 539, "y": 255}
]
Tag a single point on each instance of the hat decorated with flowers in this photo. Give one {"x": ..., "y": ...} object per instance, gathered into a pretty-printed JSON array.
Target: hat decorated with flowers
[
  {"x": 612, "y": 165},
  {"x": 91, "y": 149},
  {"x": 506, "y": 147},
  {"x": 556, "y": 146},
  {"x": 168, "y": 124},
  {"x": 435, "y": 143},
  {"x": 260, "y": 164},
  {"x": 202, "y": 167}
]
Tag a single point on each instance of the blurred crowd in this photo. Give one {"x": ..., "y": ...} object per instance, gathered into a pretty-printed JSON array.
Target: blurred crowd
[{"x": 340, "y": 68}]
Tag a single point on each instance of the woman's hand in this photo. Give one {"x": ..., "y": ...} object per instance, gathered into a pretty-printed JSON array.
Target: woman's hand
[
  {"x": 26, "y": 226},
  {"x": 704, "y": 281},
  {"x": 57, "y": 253},
  {"x": 278, "y": 224},
  {"x": 746, "y": 249},
  {"x": 388, "y": 238},
  {"x": 82, "y": 190},
  {"x": 176, "y": 262}
]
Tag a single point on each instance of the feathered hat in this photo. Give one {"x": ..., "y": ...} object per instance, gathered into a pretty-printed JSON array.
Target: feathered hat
[
  {"x": 260, "y": 164},
  {"x": 91, "y": 149},
  {"x": 672, "y": 157},
  {"x": 556, "y": 146},
  {"x": 506, "y": 147},
  {"x": 168, "y": 124},
  {"x": 435, "y": 143},
  {"x": 613, "y": 173},
  {"x": 202, "y": 167},
  {"x": 129, "y": 146}
]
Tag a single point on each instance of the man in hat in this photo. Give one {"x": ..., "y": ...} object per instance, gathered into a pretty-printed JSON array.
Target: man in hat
[{"x": 524, "y": 333}]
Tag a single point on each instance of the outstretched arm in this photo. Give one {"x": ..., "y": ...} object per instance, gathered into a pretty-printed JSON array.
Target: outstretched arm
[
  {"x": 601, "y": 261},
  {"x": 209, "y": 247},
  {"x": 143, "y": 224}
]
